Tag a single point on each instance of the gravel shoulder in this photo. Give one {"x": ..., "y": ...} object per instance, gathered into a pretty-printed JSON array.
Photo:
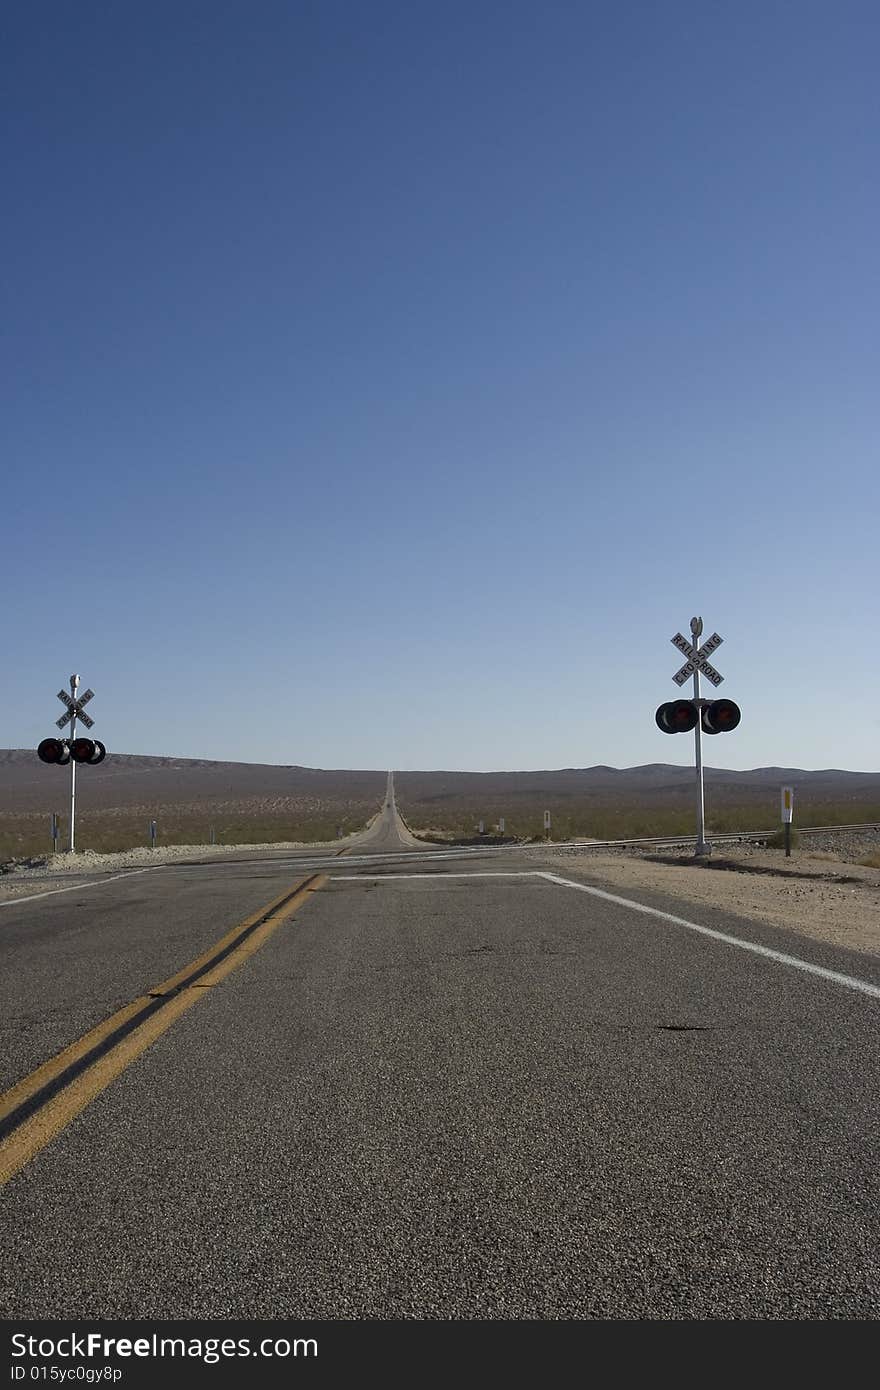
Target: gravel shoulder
[
  {"x": 23, "y": 877},
  {"x": 822, "y": 892}
]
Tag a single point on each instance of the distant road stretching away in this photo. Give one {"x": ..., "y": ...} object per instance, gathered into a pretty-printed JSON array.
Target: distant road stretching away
[{"x": 387, "y": 831}]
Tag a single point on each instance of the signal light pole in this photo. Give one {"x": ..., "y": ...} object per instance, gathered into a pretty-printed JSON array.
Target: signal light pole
[
  {"x": 703, "y": 716},
  {"x": 703, "y": 847},
  {"x": 74, "y": 686}
]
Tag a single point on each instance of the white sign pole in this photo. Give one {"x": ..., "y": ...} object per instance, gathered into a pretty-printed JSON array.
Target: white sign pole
[
  {"x": 787, "y": 813},
  {"x": 546, "y": 825},
  {"x": 74, "y": 685},
  {"x": 702, "y": 846}
]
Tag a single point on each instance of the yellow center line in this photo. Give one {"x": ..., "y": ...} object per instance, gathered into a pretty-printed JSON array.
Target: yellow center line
[{"x": 177, "y": 995}]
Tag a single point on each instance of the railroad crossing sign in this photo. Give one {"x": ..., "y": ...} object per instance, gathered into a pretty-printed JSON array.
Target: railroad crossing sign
[
  {"x": 74, "y": 708},
  {"x": 696, "y": 658}
]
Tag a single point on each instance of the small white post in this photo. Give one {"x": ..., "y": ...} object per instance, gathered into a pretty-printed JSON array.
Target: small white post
[{"x": 787, "y": 813}]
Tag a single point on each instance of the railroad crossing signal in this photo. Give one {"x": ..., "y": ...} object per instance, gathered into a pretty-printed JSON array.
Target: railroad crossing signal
[
  {"x": 703, "y": 716},
  {"x": 79, "y": 750},
  {"x": 71, "y": 749},
  {"x": 713, "y": 716},
  {"x": 75, "y": 708}
]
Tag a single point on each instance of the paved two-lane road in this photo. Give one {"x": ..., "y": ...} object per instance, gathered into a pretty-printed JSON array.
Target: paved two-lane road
[
  {"x": 444, "y": 1087},
  {"x": 387, "y": 831}
]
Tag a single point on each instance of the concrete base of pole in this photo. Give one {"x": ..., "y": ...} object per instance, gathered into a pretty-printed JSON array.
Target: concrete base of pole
[{"x": 702, "y": 849}]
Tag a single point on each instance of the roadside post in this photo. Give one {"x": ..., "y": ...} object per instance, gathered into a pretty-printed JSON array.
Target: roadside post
[
  {"x": 787, "y": 812},
  {"x": 54, "y": 832},
  {"x": 482, "y": 827},
  {"x": 501, "y": 824},
  {"x": 152, "y": 834},
  {"x": 546, "y": 825},
  {"x": 213, "y": 836}
]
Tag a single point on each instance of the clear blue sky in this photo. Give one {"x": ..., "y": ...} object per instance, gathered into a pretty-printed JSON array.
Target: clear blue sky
[{"x": 386, "y": 383}]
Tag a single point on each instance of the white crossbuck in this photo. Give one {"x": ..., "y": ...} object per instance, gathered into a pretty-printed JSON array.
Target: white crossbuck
[
  {"x": 74, "y": 709},
  {"x": 697, "y": 658}
]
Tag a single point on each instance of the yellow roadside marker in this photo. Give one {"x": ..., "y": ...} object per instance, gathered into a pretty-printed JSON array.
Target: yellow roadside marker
[{"x": 39, "y": 1107}]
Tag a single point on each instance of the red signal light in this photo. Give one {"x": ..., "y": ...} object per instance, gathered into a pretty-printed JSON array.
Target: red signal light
[
  {"x": 54, "y": 750},
  {"x": 680, "y": 716},
  {"x": 677, "y": 717},
  {"x": 82, "y": 750},
  {"x": 720, "y": 717}
]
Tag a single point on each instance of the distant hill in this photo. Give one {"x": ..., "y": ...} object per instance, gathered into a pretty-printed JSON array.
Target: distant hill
[
  {"x": 194, "y": 799},
  {"x": 128, "y": 780},
  {"x": 650, "y": 777}
]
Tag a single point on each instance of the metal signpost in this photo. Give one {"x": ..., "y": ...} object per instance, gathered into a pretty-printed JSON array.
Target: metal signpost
[
  {"x": 787, "y": 812},
  {"x": 695, "y": 664},
  {"x": 74, "y": 711},
  {"x": 546, "y": 825}
]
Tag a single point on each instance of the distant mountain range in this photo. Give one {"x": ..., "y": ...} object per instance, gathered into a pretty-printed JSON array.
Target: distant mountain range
[{"x": 126, "y": 779}]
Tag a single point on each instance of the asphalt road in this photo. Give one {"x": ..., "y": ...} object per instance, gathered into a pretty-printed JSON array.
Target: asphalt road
[
  {"x": 446, "y": 1087},
  {"x": 387, "y": 831}
]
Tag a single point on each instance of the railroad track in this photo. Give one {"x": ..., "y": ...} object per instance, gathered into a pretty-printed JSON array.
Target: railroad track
[{"x": 736, "y": 837}]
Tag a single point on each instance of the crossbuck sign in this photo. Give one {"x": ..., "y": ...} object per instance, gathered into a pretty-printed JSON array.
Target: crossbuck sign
[
  {"x": 75, "y": 708},
  {"x": 696, "y": 658}
]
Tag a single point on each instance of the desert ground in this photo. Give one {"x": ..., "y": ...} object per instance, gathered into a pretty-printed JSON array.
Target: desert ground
[{"x": 829, "y": 890}]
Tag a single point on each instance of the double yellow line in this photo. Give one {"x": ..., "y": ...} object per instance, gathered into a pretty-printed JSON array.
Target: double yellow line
[{"x": 38, "y": 1108}]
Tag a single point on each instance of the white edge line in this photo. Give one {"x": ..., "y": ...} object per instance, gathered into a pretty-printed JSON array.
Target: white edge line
[
  {"x": 862, "y": 986},
  {"x": 79, "y": 887}
]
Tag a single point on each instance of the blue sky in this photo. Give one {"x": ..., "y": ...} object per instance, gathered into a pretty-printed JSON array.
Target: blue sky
[{"x": 385, "y": 384}]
